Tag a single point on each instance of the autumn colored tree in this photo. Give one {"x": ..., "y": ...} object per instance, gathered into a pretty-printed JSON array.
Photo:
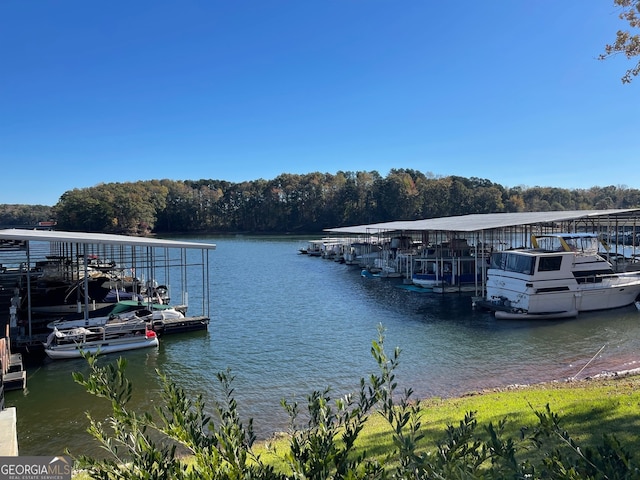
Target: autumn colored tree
[
  {"x": 627, "y": 42},
  {"x": 297, "y": 203}
]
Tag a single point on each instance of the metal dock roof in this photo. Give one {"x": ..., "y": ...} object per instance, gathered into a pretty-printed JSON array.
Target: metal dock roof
[
  {"x": 489, "y": 221},
  {"x": 97, "y": 238}
]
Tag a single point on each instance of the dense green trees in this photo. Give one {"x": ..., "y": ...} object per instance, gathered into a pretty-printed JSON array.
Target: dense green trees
[
  {"x": 130, "y": 208},
  {"x": 24, "y": 215},
  {"x": 299, "y": 203}
]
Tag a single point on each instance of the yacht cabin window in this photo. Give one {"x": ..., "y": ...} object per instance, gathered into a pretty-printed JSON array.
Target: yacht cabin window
[
  {"x": 520, "y": 263},
  {"x": 549, "y": 264}
]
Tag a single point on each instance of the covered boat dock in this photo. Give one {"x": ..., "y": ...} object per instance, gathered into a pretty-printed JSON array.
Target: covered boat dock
[
  {"x": 472, "y": 238},
  {"x": 28, "y": 257}
]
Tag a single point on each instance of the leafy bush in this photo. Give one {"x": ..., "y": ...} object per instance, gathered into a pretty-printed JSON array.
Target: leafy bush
[{"x": 323, "y": 445}]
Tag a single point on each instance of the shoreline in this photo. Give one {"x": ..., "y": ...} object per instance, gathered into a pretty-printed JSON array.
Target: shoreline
[{"x": 568, "y": 382}]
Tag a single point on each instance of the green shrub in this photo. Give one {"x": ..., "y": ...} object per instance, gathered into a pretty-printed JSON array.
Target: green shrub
[{"x": 324, "y": 445}]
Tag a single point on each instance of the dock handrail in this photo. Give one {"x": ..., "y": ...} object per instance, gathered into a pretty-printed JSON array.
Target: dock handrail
[
  {"x": 5, "y": 354},
  {"x": 5, "y": 358}
]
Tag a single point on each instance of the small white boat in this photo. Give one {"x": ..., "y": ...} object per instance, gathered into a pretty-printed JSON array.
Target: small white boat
[{"x": 70, "y": 343}]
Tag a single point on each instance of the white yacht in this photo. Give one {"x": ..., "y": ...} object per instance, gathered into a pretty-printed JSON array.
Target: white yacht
[{"x": 562, "y": 275}]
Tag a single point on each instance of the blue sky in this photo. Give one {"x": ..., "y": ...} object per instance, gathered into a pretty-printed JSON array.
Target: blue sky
[{"x": 507, "y": 90}]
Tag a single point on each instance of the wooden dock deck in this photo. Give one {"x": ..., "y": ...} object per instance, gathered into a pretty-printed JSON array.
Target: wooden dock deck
[{"x": 12, "y": 373}]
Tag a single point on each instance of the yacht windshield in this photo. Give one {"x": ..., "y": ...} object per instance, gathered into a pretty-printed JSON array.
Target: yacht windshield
[{"x": 568, "y": 242}]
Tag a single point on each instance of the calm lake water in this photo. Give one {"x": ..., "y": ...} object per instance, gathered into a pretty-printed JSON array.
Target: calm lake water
[{"x": 288, "y": 324}]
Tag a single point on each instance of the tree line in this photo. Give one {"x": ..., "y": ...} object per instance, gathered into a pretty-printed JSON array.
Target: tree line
[{"x": 296, "y": 203}]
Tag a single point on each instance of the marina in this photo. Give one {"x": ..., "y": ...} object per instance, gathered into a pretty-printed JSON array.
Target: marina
[
  {"x": 301, "y": 324},
  {"x": 398, "y": 274},
  {"x": 461, "y": 254}
]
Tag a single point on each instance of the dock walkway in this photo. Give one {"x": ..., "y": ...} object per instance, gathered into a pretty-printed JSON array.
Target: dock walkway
[
  {"x": 12, "y": 376},
  {"x": 12, "y": 373},
  {"x": 8, "y": 433}
]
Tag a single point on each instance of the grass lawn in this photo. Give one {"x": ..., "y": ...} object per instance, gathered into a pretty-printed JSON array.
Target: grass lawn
[{"x": 587, "y": 410}]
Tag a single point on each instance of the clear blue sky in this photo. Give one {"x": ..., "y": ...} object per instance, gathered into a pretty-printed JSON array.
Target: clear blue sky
[{"x": 236, "y": 90}]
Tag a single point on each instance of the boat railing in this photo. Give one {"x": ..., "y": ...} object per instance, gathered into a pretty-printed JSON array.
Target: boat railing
[
  {"x": 119, "y": 329},
  {"x": 83, "y": 334}
]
